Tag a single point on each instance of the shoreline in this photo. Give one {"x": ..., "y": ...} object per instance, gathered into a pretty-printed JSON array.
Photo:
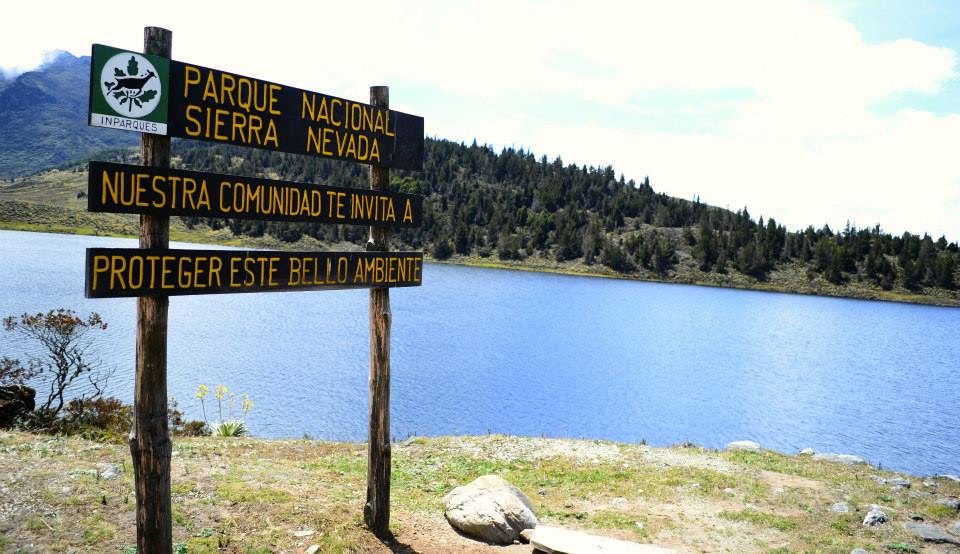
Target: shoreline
[
  {"x": 205, "y": 237},
  {"x": 269, "y": 495}
]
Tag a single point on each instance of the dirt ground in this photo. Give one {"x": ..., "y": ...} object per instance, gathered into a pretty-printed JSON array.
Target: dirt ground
[{"x": 254, "y": 496}]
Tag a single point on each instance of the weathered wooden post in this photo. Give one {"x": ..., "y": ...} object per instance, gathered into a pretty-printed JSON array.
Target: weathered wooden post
[
  {"x": 150, "y": 438},
  {"x": 376, "y": 512},
  {"x": 153, "y": 94}
]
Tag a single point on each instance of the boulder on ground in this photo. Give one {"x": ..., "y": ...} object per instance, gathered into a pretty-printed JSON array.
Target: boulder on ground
[
  {"x": 554, "y": 540},
  {"x": 848, "y": 459},
  {"x": 16, "y": 401},
  {"x": 875, "y": 517},
  {"x": 932, "y": 533},
  {"x": 807, "y": 452},
  {"x": 490, "y": 509},
  {"x": 950, "y": 502},
  {"x": 841, "y": 508},
  {"x": 749, "y": 446}
]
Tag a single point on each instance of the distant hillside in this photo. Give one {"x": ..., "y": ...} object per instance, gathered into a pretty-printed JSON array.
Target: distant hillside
[
  {"x": 43, "y": 118},
  {"x": 507, "y": 208},
  {"x": 513, "y": 209}
]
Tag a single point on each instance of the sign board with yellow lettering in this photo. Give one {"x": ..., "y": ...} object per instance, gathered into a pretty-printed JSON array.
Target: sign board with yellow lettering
[
  {"x": 120, "y": 188},
  {"x": 213, "y": 105},
  {"x": 124, "y": 272}
]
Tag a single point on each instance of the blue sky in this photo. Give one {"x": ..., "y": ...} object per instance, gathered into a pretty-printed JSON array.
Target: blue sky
[{"x": 810, "y": 111}]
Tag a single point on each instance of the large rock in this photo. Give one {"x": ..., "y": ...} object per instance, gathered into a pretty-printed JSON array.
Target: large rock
[
  {"x": 15, "y": 402},
  {"x": 932, "y": 533},
  {"x": 554, "y": 540},
  {"x": 848, "y": 459},
  {"x": 749, "y": 446},
  {"x": 490, "y": 509}
]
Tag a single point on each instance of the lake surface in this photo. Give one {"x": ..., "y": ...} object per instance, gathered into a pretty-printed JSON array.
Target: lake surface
[{"x": 480, "y": 350}]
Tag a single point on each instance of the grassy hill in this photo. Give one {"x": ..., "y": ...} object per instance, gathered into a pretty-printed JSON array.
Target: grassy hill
[
  {"x": 54, "y": 201},
  {"x": 251, "y": 496},
  {"x": 507, "y": 209}
]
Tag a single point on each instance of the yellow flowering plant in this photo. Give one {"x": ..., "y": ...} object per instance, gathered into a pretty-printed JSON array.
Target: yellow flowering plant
[{"x": 228, "y": 427}]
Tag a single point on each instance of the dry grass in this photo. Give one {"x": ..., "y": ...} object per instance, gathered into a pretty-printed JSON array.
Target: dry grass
[{"x": 251, "y": 495}]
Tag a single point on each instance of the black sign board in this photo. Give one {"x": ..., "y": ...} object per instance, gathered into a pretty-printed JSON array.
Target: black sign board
[
  {"x": 214, "y": 105},
  {"x": 149, "y": 94},
  {"x": 121, "y": 272},
  {"x": 120, "y": 188}
]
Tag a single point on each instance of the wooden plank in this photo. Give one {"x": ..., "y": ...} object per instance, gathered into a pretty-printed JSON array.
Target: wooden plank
[
  {"x": 125, "y": 272},
  {"x": 377, "y": 509},
  {"x": 150, "y": 444},
  {"x": 555, "y": 540},
  {"x": 121, "y": 188}
]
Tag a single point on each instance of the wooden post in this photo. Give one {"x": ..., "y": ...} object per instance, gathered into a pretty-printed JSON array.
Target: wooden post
[
  {"x": 376, "y": 512},
  {"x": 150, "y": 438}
]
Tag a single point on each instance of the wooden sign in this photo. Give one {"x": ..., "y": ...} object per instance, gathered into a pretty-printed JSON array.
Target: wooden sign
[
  {"x": 160, "y": 98},
  {"x": 127, "y": 90},
  {"x": 121, "y": 272},
  {"x": 120, "y": 188}
]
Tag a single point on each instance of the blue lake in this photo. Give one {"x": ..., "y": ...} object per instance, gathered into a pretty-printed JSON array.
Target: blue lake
[{"x": 478, "y": 350}]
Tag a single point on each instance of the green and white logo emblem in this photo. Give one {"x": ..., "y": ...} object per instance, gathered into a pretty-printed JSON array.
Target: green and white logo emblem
[
  {"x": 127, "y": 90},
  {"x": 131, "y": 85}
]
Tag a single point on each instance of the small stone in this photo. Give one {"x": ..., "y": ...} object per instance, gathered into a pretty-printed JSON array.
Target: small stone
[
  {"x": 899, "y": 483},
  {"x": 728, "y": 491},
  {"x": 841, "y": 508},
  {"x": 807, "y": 452},
  {"x": 932, "y": 533},
  {"x": 858, "y": 551},
  {"x": 916, "y": 517},
  {"x": 928, "y": 482},
  {"x": 525, "y": 535},
  {"x": 848, "y": 459},
  {"x": 749, "y": 446},
  {"x": 312, "y": 549},
  {"x": 951, "y": 502},
  {"x": 875, "y": 517},
  {"x": 303, "y": 533}
]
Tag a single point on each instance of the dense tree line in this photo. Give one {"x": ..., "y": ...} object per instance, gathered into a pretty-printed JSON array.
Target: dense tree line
[{"x": 512, "y": 205}]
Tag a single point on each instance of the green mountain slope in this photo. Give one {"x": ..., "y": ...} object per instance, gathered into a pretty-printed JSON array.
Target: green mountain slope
[
  {"x": 507, "y": 208},
  {"x": 511, "y": 209},
  {"x": 43, "y": 118}
]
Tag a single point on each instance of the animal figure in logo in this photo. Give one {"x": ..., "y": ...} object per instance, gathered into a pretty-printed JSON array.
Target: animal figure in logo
[{"x": 133, "y": 84}]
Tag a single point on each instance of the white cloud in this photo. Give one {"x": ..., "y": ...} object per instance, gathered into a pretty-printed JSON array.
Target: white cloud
[{"x": 802, "y": 144}]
